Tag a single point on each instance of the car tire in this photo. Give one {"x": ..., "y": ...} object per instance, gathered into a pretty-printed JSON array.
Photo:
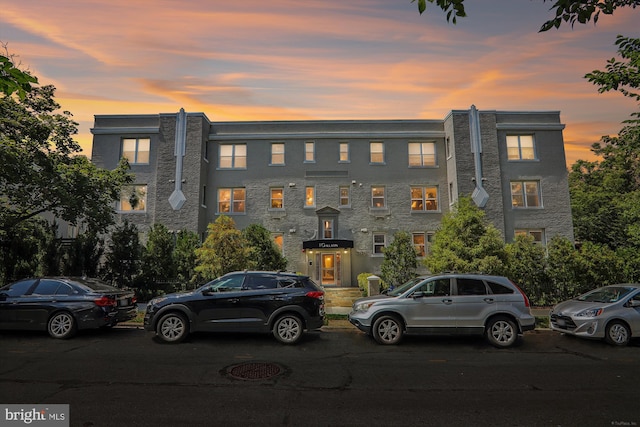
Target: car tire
[
  {"x": 62, "y": 325},
  {"x": 387, "y": 330},
  {"x": 617, "y": 333},
  {"x": 288, "y": 329},
  {"x": 172, "y": 328},
  {"x": 502, "y": 332}
]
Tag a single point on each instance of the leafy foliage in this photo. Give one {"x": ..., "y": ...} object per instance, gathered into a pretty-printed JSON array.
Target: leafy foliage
[
  {"x": 12, "y": 79},
  {"x": 124, "y": 253},
  {"x": 41, "y": 171},
  {"x": 263, "y": 252},
  {"x": 570, "y": 11},
  {"x": 466, "y": 242},
  {"x": 400, "y": 260},
  {"x": 184, "y": 258},
  {"x": 526, "y": 266},
  {"x": 224, "y": 250},
  {"x": 158, "y": 271}
]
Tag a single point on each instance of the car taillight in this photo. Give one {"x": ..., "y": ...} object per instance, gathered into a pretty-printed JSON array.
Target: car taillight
[
  {"x": 315, "y": 294},
  {"x": 526, "y": 299},
  {"x": 105, "y": 302},
  {"x": 134, "y": 300}
]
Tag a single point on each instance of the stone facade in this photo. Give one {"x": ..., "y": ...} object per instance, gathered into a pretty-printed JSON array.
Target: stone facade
[{"x": 355, "y": 228}]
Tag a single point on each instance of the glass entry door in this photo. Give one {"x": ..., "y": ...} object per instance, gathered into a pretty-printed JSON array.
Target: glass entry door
[{"x": 328, "y": 269}]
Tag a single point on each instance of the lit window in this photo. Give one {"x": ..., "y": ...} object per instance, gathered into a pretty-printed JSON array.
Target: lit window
[
  {"x": 309, "y": 197},
  {"x": 344, "y": 196},
  {"x": 136, "y": 150},
  {"x": 327, "y": 229},
  {"x": 520, "y": 147},
  {"x": 133, "y": 198},
  {"x": 424, "y": 198},
  {"x": 376, "y": 152},
  {"x": 233, "y": 156},
  {"x": 277, "y": 198},
  {"x": 537, "y": 234},
  {"x": 231, "y": 200},
  {"x": 525, "y": 194},
  {"x": 344, "y": 152},
  {"x": 379, "y": 243},
  {"x": 309, "y": 151},
  {"x": 422, "y": 154},
  {"x": 377, "y": 197},
  {"x": 422, "y": 241},
  {"x": 277, "y": 153}
]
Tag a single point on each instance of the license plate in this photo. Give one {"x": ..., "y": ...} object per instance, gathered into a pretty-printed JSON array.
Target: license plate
[
  {"x": 561, "y": 323},
  {"x": 123, "y": 302}
]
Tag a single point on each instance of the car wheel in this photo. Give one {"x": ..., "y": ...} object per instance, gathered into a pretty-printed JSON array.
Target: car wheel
[
  {"x": 172, "y": 327},
  {"x": 288, "y": 329},
  {"x": 62, "y": 325},
  {"x": 617, "y": 333},
  {"x": 387, "y": 330},
  {"x": 502, "y": 332}
]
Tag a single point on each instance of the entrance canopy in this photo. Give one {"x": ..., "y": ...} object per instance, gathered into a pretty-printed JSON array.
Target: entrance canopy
[{"x": 327, "y": 244}]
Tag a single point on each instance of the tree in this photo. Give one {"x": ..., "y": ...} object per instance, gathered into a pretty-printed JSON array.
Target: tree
[
  {"x": 21, "y": 250},
  {"x": 158, "y": 271},
  {"x": 224, "y": 250},
  {"x": 526, "y": 266},
  {"x": 263, "y": 252},
  {"x": 465, "y": 242},
  {"x": 122, "y": 265},
  {"x": 41, "y": 171},
  {"x": 184, "y": 258},
  {"x": 400, "y": 260},
  {"x": 571, "y": 11},
  {"x": 12, "y": 78},
  {"x": 82, "y": 256}
]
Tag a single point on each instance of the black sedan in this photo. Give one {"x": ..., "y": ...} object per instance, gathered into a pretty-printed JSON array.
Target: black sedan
[{"x": 63, "y": 306}]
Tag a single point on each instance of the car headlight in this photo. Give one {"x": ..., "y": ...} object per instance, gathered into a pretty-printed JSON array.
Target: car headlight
[
  {"x": 592, "y": 312},
  {"x": 363, "y": 306},
  {"x": 155, "y": 301}
]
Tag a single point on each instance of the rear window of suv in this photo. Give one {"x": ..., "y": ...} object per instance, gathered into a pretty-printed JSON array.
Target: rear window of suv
[{"x": 498, "y": 289}]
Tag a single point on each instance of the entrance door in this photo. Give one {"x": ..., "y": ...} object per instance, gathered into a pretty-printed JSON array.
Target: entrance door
[{"x": 328, "y": 269}]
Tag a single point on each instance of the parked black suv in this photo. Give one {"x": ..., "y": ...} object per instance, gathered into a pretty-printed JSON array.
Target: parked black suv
[{"x": 284, "y": 304}]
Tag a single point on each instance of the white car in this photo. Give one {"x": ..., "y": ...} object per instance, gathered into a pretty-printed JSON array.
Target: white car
[
  {"x": 611, "y": 312},
  {"x": 446, "y": 304}
]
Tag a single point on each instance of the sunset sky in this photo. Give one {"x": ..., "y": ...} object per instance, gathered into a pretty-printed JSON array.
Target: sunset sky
[{"x": 329, "y": 59}]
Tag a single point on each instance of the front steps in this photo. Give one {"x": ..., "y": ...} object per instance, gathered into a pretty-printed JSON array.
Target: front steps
[{"x": 340, "y": 300}]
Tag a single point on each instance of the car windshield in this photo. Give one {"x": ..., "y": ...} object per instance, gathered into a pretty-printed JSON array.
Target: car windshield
[
  {"x": 607, "y": 294},
  {"x": 405, "y": 286}
]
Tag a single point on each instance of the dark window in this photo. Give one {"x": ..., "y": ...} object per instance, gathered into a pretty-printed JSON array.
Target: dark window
[
  {"x": 46, "y": 287},
  {"x": 471, "y": 287},
  {"x": 18, "y": 288},
  {"x": 259, "y": 281},
  {"x": 497, "y": 288},
  {"x": 290, "y": 283},
  {"x": 65, "y": 289}
]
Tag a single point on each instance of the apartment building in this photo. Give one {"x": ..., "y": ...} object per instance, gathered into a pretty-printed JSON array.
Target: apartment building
[{"x": 334, "y": 192}]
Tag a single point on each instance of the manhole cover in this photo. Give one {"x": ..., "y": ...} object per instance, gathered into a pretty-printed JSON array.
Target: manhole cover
[{"x": 254, "y": 370}]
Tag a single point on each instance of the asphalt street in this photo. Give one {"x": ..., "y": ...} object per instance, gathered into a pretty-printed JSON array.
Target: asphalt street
[{"x": 336, "y": 377}]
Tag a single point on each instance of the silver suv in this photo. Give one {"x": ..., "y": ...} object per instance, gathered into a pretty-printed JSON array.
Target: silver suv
[{"x": 445, "y": 304}]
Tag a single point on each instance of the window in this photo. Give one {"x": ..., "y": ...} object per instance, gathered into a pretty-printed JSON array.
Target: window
[
  {"x": 344, "y": 196},
  {"x": 447, "y": 147},
  {"x": 471, "y": 287},
  {"x": 379, "y": 243},
  {"x": 133, "y": 198},
  {"x": 136, "y": 150},
  {"x": 376, "y": 152},
  {"x": 46, "y": 287},
  {"x": 377, "y": 197},
  {"x": 327, "y": 229},
  {"x": 277, "y": 198},
  {"x": 309, "y": 197},
  {"x": 231, "y": 200},
  {"x": 278, "y": 239},
  {"x": 422, "y": 241},
  {"x": 424, "y": 198},
  {"x": 204, "y": 196},
  {"x": 525, "y": 194},
  {"x": 422, "y": 154},
  {"x": 537, "y": 234},
  {"x": 309, "y": 151},
  {"x": 344, "y": 152},
  {"x": 233, "y": 156},
  {"x": 520, "y": 147},
  {"x": 277, "y": 153}
]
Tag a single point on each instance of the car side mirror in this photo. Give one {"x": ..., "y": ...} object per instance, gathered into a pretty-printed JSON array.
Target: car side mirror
[
  {"x": 3, "y": 296},
  {"x": 417, "y": 294}
]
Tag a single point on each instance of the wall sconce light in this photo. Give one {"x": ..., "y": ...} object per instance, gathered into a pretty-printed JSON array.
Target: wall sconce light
[
  {"x": 363, "y": 230},
  {"x": 292, "y": 230},
  {"x": 292, "y": 184},
  {"x": 353, "y": 182}
]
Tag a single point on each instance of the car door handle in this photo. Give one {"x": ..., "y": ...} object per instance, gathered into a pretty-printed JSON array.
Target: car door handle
[
  {"x": 489, "y": 300},
  {"x": 233, "y": 300},
  {"x": 447, "y": 301}
]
